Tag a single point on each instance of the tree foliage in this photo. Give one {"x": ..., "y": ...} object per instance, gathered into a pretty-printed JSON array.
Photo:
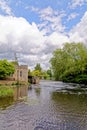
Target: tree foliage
[
  {"x": 38, "y": 71},
  {"x": 6, "y": 69},
  {"x": 70, "y": 63},
  {"x": 38, "y": 67},
  {"x": 49, "y": 73}
]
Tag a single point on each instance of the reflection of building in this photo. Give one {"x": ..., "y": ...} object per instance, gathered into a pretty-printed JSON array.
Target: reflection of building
[{"x": 21, "y": 73}]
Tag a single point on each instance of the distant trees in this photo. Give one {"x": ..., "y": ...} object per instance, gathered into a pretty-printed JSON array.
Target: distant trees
[
  {"x": 49, "y": 72},
  {"x": 6, "y": 69},
  {"x": 38, "y": 67},
  {"x": 38, "y": 71},
  {"x": 70, "y": 63}
]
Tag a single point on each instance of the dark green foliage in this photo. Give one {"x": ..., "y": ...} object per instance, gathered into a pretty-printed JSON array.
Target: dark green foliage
[
  {"x": 49, "y": 73},
  {"x": 81, "y": 79},
  {"x": 69, "y": 64}
]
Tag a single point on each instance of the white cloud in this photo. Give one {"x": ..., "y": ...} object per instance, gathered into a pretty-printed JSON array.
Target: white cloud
[
  {"x": 51, "y": 20},
  {"x": 75, "y": 3},
  {"x": 31, "y": 46},
  {"x": 18, "y": 35},
  {"x": 78, "y": 33},
  {"x": 18, "y": 2},
  {"x": 18, "y": 30},
  {"x": 5, "y": 7},
  {"x": 34, "y": 9},
  {"x": 72, "y": 16},
  {"x": 57, "y": 40}
]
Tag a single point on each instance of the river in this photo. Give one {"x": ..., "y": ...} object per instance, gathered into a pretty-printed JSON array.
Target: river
[{"x": 45, "y": 108}]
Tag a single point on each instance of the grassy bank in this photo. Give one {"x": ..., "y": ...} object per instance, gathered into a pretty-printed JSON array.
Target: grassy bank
[{"x": 6, "y": 91}]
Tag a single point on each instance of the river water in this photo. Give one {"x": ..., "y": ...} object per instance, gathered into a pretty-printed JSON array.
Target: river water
[{"x": 45, "y": 108}]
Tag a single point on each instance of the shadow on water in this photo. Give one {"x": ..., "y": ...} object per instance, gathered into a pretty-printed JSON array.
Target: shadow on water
[{"x": 20, "y": 92}]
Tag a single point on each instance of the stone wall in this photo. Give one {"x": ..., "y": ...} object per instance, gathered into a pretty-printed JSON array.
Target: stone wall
[
  {"x": 21, "y": 73},
  {"x": 7, "y": 82}
]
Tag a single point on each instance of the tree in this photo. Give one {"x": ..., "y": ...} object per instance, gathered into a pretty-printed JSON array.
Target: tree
[
  {"x": 44, "y": 75},
  {"x": 49, "y": 73},
  {"x": 29, "y": 72},
  {"x": 70, "y": 62},
  {"x": 6, "y": 69},
  {"x": 57, "y": 63},
  {"x": 36, "y": 73},
  {"x": 38, "y": 67}
]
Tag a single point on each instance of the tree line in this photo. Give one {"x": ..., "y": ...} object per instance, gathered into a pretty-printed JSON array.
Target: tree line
[
  {"x": 69, "y": 64},
  {"x": 38, "y": 71},
  {"x": 8, "y": 68}
]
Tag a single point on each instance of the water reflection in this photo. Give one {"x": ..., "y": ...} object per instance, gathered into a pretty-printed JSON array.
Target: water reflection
[
  {"x": 46, "y": 109},
  {"x": 6, "y": 102},
  {"x": 37, "y": 91},
  {"x": 72, "y": 109},
  {"x": 19, "y": 93}
]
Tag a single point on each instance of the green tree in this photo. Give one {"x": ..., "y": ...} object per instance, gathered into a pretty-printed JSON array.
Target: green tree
[
  {"x": 44, "y": 75},
  {"x": 70, "y": 62},
  {"x": 36, "y": 73},
  {"x": 29, "y": 73},
  {"x": 57, "y": 63},
  {"x": 6, "y": 69},
  {"x": 49, "y": 72},
  {"x": 38, "y": 67}
]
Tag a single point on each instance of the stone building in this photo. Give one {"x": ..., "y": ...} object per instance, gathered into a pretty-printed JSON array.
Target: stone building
[{"x": 21, "y": 73}]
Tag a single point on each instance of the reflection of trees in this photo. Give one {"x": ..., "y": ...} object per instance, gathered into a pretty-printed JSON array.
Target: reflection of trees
[
  {"x": 37, "y": 91},
  {"x": 70, "y": 101},
  {"x": 5, "y": 102},
  {"x": 72, "y": 108}
]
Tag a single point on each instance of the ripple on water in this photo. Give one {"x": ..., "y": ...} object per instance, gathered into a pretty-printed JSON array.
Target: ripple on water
[{"x": 46, "y": 109}]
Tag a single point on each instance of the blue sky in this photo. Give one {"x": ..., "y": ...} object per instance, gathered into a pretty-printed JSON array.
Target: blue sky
[
  {"x": 35, "y": 28},
  {"x": 23, "y": 8}
]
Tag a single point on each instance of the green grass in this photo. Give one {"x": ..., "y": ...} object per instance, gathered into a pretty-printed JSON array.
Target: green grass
[{"x": 6, "y": 92}]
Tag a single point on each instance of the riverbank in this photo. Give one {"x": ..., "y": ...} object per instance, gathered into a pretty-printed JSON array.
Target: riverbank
[
  {"x": 15, "y": 91},
  {"x": 6, "y": 91}
]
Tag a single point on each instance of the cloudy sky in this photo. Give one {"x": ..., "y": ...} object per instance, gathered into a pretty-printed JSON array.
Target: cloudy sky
[{"x": 33, "y": 29}]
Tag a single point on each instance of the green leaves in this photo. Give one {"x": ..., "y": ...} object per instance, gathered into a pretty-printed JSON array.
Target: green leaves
[
  {"x": 38, "y": 67},
  {"x": 6, "y": 69},
  {"x": 69, "y": 61},
  {"x": 42, "y": 74}
]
